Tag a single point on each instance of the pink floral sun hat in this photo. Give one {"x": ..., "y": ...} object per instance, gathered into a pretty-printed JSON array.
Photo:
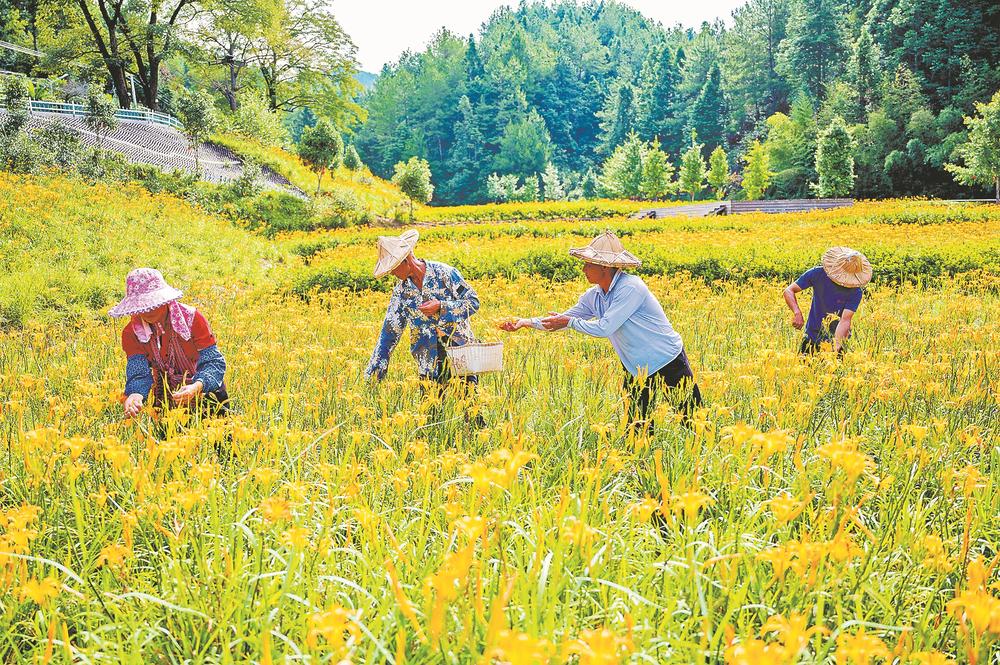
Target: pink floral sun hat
[{"x": 145, "y": 290}]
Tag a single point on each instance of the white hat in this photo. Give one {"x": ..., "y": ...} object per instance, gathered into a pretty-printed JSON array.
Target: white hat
[
  {"x": 846, "y": 267},
  {"x": 606, "y": 250},
  {"x": 393, "y": 250}
]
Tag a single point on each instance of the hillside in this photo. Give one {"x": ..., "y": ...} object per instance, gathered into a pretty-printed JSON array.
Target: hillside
[{"x": 67, "y": 246}]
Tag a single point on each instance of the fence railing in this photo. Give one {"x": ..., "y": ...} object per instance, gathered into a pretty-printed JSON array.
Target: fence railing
[{"x": 122, "y": 114}]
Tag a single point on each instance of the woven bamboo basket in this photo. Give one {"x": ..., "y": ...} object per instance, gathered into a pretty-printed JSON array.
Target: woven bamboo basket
[{"x": 476, "y": 358}]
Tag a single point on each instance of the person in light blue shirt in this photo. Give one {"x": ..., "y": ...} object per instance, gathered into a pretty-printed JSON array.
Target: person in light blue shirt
[{"x": 621, "y": 308}]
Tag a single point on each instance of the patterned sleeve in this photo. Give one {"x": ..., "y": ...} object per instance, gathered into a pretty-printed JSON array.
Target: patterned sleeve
[
  {"x": 138, "y": 376},
  {"x": 464, "y": 302},
  {"x": 392, "y": 330},
  {"x": 211, "y": 368}
]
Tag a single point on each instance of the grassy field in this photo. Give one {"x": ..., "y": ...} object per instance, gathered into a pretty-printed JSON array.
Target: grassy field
[{"x": 816, "y": 511}]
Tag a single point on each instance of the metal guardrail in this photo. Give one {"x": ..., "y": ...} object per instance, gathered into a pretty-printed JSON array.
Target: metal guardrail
[{"x": 122, "y": 114}]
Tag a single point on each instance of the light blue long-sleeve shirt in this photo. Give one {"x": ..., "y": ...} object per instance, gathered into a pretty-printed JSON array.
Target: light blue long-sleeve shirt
[{"x": 631, "y": 317}]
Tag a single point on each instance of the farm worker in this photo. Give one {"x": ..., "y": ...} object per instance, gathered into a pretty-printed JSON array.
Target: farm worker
[
  {"x": 430, "y": 297},
  {"x": 836, "y": 285},
  {"x": 621, "y": 307},
  {"x": 170, "y": 348}
]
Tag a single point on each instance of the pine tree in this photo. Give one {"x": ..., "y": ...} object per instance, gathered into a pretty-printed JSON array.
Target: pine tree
[
  {"x": 525, "y": 146},
  {"x": 865, "y": 70},
  {"x": 692, "y": 172},
  {"x": 552, "y": 185},
  {"x": 589, "y": 185},
  {"x": 657, "y": 172},
  {"x": 718, "y": 171},
  {"x": 757, "y": 176},
  {"x": 834, "y": 160},
  {"x": 658, "y": 112},
  {"x": 708, "y": 114},
  {"x": 621, "y": 173},
  {"x": 812, "y": 53},
  {"x": 617, "y": 118},
  {"x": 465, "y": 158},
  {"x": 529, "y": 190}
]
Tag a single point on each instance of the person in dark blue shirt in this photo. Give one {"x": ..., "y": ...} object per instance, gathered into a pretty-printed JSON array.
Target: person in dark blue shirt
[{"x": 837, "y": 293}]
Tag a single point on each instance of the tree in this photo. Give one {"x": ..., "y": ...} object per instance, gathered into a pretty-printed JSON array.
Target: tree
[
  {"x": 14, "y": 99},
  {"x": 525, "y": 146},
  {"x": 657, "y": 172},
  {"x": 617, "y": 118},
  {"x": 135, "y": 36},
  {"x": 321, "y": 148},
  {"x": 692, "y": 172},
  {"x": 552, "y": 185},
  {"x": 981, "y": 154},
  {"x": 708, "y": 114},
  {"x": 196, "y": 111},
  {"x": 865, "y": 69},
  {"x": 834, "y": 160},
  {"x": 658, "y": 109},
  {"x": 228, "y": 31},
  {"x": 306, "y": 59},
  {"x": 621, "y": 173},
  {"x": 750, "y": 59},
  {"x": 718, "y": 171},
  {"x": 588, "y": 187},
  {"x": 465, "y": 158},
  {"x": 101, "y": 114},
  {"x": 413, "y": 178},
  {"x": 501, "y": 188},
  {"x": 351, "y": 159},
  {"x": 812, "y": 52},
  {"x": 757, "y": 176}
]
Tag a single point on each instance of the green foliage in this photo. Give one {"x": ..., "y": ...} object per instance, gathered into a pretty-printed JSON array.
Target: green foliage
[
  {"x": 321, "y": 148},
  {"x": 552, "y": 185},
  {"x": 14, "y": 99},
  {"x": 709, "y": 112},
  {"x": 254, "y": 119},
  {"x": 413, "y": 177},
  {"x": 525, "y": 146},
  {"x": 757, "y": 176},
  {"x": 621, "y": 174},
  {"x": 718, "y": 171},
  {"x": 657, "y": 172},
  {"x": 691, "y": 179},
  {"x": 196, "y": 111},
  {"x": 981, "y": 153},
  {"x": 351, "y": 159},
  {"x": 812, "y": 53},
  {"x": 101, "y": 110},
  {"x": 834, "y": 161}
]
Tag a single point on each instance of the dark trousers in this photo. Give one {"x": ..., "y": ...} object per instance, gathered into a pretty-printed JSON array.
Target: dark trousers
[
  {"x": 672, "y": 376},
  {"x": 811, "y": 346}
]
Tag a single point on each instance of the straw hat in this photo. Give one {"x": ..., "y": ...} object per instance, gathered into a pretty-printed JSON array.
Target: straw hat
[
  {"x": 145, "y": 290},
  {"x": 847, "y": 267},
  {"x": 393, "y": 250},
  {"x": 606, "y": 250}
]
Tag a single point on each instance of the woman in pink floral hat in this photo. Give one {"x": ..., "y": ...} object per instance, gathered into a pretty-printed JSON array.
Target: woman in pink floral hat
[{"x": 170, "y": 348}]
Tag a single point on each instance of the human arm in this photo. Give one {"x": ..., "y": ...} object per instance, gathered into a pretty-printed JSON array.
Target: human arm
[
  {"x": 843, "y": 329},
  {"x": 627, "y": 300},
  {"x": 138, "y": 383},
  {"x": 463, "y": 303},
  {"x": 793, "y": 304},
  {"x": 392, "y": 331},
  {"x": 517, "y": 324}
]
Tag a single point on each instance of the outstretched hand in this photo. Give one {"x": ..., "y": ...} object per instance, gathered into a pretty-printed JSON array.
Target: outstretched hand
[{"x": 513, "y": 324}]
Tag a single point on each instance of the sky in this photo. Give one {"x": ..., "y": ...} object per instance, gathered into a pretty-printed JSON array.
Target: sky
[{"x": 383, "y": 29}]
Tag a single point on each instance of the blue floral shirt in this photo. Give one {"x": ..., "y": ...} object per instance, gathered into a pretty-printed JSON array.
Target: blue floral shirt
[{"x": 450, "y": 325}]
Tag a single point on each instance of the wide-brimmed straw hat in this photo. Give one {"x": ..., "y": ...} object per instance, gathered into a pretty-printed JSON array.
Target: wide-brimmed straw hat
[
  {"x": 393, "y": 250},
  {"x": 847, "y": 267},
  {"x": 145, "y": 290},
  {"x": 606, "y": 250}
]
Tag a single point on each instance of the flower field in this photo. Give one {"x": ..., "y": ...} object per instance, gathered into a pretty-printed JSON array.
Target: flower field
[{"x": 815, "y": 510}]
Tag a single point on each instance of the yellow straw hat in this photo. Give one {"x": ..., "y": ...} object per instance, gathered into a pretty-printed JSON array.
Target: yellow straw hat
[
  {"x": 847, "y": 267},
  {"x": 393, "y": 250},
  {"x": 606, "y": 250}
]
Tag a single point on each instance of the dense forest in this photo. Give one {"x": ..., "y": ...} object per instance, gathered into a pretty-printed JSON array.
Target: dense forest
[
  {"x": 560, "y": 100},
  {"x": 556, "y": 87}
]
